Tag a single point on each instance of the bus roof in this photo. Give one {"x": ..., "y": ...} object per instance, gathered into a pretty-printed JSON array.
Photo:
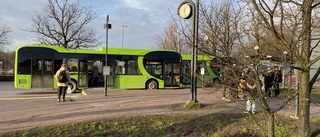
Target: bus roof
[
  {"x": 199, "y": 57},
  {"x": 113, "y": 51}
]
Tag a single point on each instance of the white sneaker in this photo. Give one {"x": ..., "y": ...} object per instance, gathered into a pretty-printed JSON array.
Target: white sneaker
[{"x": 223, "y": 98}]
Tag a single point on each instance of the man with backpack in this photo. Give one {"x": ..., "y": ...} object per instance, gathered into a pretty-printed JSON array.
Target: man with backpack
[{"x": 63, "y": 80}]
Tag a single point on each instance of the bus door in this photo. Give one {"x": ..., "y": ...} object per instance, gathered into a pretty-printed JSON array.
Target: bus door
[
  {"x": 171, "y": 74},
  {"x": 111, "y": 77},
  {"x": 83, "y": 73},
  {"x": 42, "y": 74}
]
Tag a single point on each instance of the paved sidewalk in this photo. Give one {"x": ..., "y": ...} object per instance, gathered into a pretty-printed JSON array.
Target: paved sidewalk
[{"x": 274, "y": 102}]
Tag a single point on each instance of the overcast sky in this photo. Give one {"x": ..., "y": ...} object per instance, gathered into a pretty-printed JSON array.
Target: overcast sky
[{"x": 146, "y": 19}]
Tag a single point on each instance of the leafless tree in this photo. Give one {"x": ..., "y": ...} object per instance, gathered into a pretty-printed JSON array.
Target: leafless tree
[
  {"x": 275, "y": 27},
  {"x": 173, "y": 40},
  {"x": 299, "y": 19},
  {"x": 4, "y": 38},
  {"x": 65, "y": 24},
  {"x": 221, "y": 21}
]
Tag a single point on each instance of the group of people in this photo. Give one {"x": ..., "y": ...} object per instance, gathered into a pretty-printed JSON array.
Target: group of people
[
  {"x": 272, "y": 78},
  {"x": 235, "y": 81}
]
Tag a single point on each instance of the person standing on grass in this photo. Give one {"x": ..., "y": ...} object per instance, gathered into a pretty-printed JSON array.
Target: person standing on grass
[
  {"x": 251, "y": 90},
  {"x": 63, "y": 80}
]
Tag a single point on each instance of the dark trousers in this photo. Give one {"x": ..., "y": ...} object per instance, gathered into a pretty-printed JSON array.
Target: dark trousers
[
  {"x": 95, "y": 81},
  {"x": 62, "y": 91},
  {"x": 276, "y": 89},
  {"x": 267, "y": 87}
]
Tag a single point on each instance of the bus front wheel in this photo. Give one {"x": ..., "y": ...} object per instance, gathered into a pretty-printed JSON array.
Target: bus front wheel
[
  {"x": 152, "y": 85},
  {"x": 73, "y": 86}
]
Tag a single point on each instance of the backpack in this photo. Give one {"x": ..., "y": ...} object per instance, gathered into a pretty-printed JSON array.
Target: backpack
[{"x": 62, "y": 78}]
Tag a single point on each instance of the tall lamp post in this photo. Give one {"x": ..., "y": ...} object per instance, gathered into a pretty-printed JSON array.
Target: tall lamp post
[
  {"x": 285, "y": 53},
  {"x": 186, "y": 10},
  {"x": 123, "y": 26},
  {"x": 107, "y": 26}
]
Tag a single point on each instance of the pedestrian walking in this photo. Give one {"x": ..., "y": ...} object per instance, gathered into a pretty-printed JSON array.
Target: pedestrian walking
[{"x": 63, "y": 80}]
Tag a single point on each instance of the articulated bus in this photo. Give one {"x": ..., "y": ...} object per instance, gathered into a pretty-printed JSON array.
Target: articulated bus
[
  {"x": 36, "y": 65},
  {"x": 210, "y": 75}
]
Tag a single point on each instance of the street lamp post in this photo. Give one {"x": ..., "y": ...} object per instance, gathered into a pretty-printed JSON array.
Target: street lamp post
[
  {"x": 107, "y": 26},
  {"x": 123, "y": 26},
  {"x": 186, "y": 10},
  {"x": 285, "y": 68}
]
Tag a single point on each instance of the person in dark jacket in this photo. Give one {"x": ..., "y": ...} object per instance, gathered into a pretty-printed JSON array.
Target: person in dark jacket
[
  {"x": 277, "y": 79},
  {"x": 268, "y": 80},
  {"x": 95, "y": 76},
  {"x": 62, "y": 86}
]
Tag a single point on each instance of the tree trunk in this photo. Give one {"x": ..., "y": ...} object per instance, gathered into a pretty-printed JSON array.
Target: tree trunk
[
  {"x": 271, "y": 125},
  {"x": 304, "y": 91},
  {"x": 304, "y": 105}
]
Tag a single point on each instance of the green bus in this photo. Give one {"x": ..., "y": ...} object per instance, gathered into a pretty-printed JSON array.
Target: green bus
[
  {"x": 209, "y": 74},
  {"x": 36, "y": 65}
]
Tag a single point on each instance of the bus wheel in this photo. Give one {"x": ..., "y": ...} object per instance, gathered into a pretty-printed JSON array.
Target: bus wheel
[
  {"x": 73, "y": 86},
  {"x": 152, "y": 85}
]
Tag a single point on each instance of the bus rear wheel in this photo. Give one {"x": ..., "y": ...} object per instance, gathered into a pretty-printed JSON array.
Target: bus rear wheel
[
  {"x": 152, "y": 84},
  {"x": 73, "y": 86}
]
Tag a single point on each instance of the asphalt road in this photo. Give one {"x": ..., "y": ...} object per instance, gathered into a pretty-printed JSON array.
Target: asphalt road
[{"x": 23, "y": 109}]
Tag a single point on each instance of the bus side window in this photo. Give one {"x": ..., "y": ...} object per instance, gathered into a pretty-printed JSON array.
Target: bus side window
[{"x": 120, "y": 68}]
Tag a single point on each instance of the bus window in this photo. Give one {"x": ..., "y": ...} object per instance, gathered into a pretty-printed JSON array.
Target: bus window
[
  {"x": 72, "y": 65},
  {"x": 133, "y": 68},
  {"x": 120, "y": 68},
  {"x": 24, "y": 66},
  {"x": 154, "y": 68}
]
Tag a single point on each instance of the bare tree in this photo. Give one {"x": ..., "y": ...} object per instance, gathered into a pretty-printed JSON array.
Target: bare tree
[
  {"x": 4, "y": 31},
  {"x": 65, "y": 24},
  {"x": 220, "y": 21},
  {"x": 297, "y": 18},
  {"x": 173, "y": 40},
  {"x": 229, "y": 30}
]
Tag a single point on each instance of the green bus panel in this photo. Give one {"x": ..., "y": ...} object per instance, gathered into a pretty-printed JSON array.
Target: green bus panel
[
  {"x": 127, "y": 81},
  {"x": 22, "y": 81}
]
